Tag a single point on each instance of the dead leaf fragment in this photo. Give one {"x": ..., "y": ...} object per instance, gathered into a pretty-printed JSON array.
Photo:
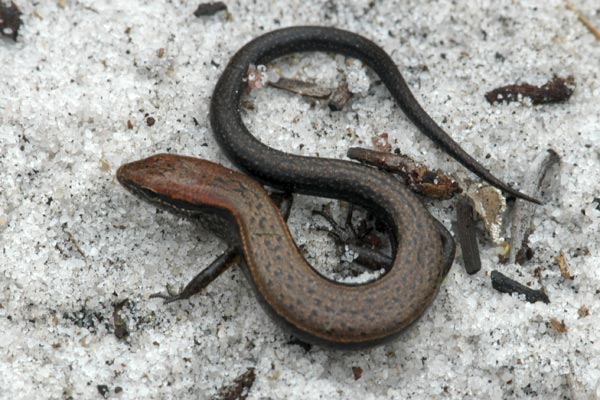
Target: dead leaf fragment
[
  {"x": 490, "y": 205},
  {"x": 559, "y": 327},
  {"x": 357, "y": 372},
  {"x": 239, "y": 388},
  {"x": 381, "y": 143},
  {"x": 563, "y": 265},
  {"x": 104, "y": 165},
  {"x": 583, "y": 311}
]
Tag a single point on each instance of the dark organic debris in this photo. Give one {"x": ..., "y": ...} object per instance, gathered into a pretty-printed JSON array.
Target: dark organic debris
[
  {"x": 119, "y": 323},
  {"x": 306, "y": 346},
  {"x": 10, "y": 20},
  {"x": 103, "y": 390},
  {"x": 524, "y": 254},
  {"x": 369, "y": 258},
  {"x": 360, "y": 240},
  {"x": 357, "y": 372},
  {"x": 419, "y": 178},
  {"x": 583, "y": 311},
  {"x": 554, "y": 91},
  {"x": 303, "y": 88},
  {"x": 559, "y": 326},
  {"x": 504, "y": 284},
  {"x": 340, "y": 97},
  {"x": 239, "y": 389},
  {"x": 205, "y": 9},
  {"x": 85, "y": 318},
  {"x": 466, "y": 235}
]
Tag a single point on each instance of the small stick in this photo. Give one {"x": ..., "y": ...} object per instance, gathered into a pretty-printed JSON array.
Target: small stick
[
  {"x": 593, "y": 30},
  {"x": 205, "y": 9},
  {"x": 74, "y": 242},
  {"x": 340, "y": 97},
  {"x": 504, "y": 284},
  {"x": 418, "y": 177},
  {"x": 121, "y": 331},
  {"x": 300, "y": 87},
  {"x": 466, "y": 236}
]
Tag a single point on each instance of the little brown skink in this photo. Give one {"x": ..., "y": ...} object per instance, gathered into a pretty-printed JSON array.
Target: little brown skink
[{"x": 313, "y": 307}]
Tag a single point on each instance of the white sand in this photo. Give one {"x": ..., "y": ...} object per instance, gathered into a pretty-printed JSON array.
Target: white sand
[{"x": 74, "y": 79}]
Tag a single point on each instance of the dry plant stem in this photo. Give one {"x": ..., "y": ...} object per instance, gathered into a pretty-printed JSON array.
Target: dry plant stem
[
  {"x": 593, "y": 30},
  {"x": 542, "y": 183},
  {"x": 504, "y": 284},
  {"x": 302, "y": 88},
  {"x": 418, "y": 177},
  {"x": 466, "y": 235}
]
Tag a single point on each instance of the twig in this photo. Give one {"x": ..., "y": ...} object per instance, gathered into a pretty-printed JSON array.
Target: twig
[
  {"x": 418, "y": 177},
  {"x": 74, "y": 242},
  {"x": 466, "y": 236},
  {"x": 543, "y": 182},
  {"x": 504, "y": 284},
  {"x": 340, "y": 97},
  {"x": 593, "y": 30},
  {"x": 300, "y": 87}
]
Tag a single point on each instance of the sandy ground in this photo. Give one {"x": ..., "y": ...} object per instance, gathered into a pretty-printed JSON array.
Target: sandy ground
[{"x": 75, "y": 245}]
